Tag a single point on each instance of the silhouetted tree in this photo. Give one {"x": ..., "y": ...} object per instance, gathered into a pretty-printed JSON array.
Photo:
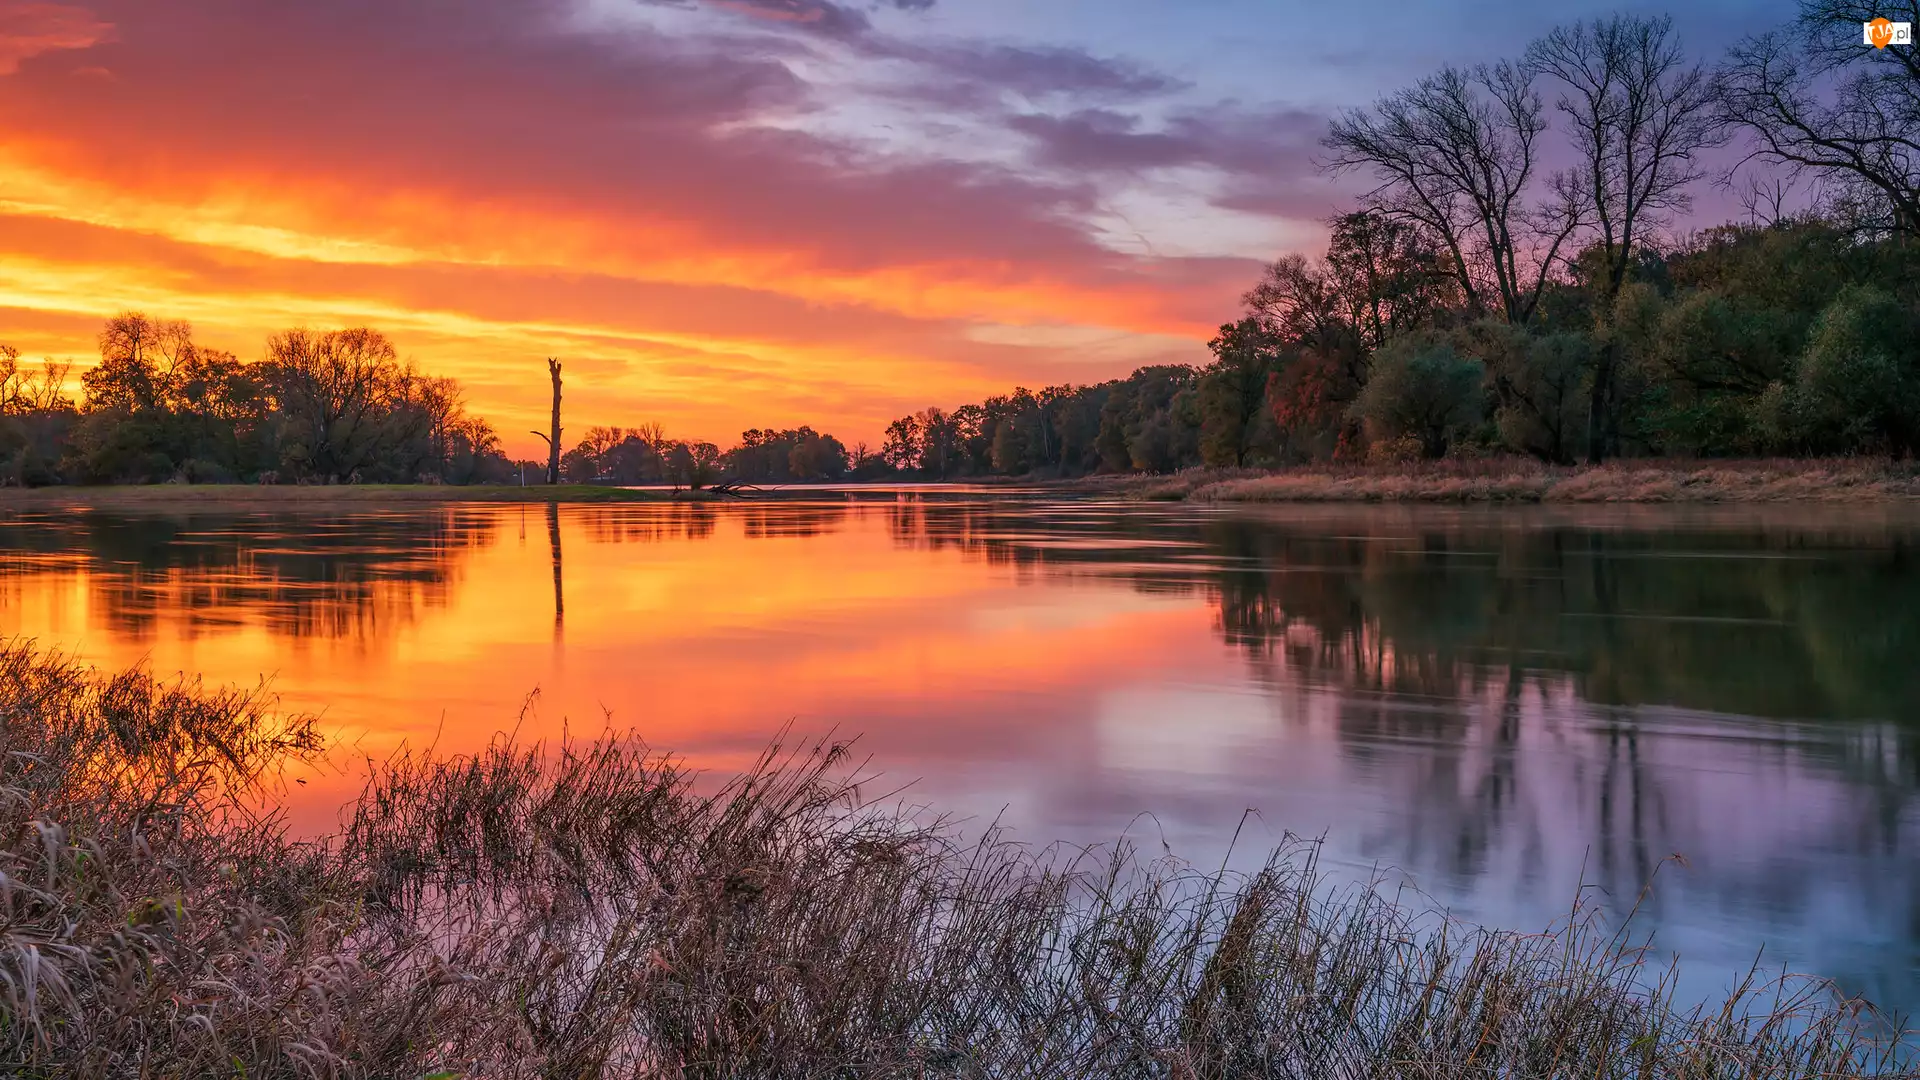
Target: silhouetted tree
[
  {"x": 1457, "y": 156},
  {"x": 1818, "y": 103},
  {"x": 1639, "y": 117}
]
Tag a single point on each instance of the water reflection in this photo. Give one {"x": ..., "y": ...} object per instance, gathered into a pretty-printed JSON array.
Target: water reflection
[
  {"x": 1550, "y": 700},
  {"x": 306, "y": 576},
  {"x": 559, "y": 574},
  {"x": 1500, "y": 704}
]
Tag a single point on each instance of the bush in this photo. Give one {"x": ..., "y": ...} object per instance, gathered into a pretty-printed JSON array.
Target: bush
[
  {"x": 1858, "y": 382},
  {"x": 1424, "y": 389}
]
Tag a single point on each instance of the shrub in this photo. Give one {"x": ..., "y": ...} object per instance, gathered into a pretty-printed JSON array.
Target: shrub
[
  {"x": 1858, "y": 383},
  {"x": 1423, "y": 389}
]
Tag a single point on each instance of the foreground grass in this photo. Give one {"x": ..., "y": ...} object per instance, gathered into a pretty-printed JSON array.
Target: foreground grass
[
  {"x": 585, "y": 910},
  {"x": 1512, "y": 480}
]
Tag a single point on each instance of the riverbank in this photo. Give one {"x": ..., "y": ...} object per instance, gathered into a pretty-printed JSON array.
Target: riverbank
[
  {"x": 293, "y": 496},
  {"x": 589, "y": 909},
  {"x": 1520, "y": 481}
]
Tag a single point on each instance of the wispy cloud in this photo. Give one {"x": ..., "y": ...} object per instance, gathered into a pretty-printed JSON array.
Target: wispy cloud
[{"x": 29, "y": 29}]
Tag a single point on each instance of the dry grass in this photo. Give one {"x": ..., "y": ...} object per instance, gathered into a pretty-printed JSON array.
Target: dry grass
[
  {"x": 587, "y": 910},
  {"x": 1512, "y": 480}
]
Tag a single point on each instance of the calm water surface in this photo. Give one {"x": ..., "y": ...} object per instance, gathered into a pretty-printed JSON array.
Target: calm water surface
[{"x": 1496, "y": 705}]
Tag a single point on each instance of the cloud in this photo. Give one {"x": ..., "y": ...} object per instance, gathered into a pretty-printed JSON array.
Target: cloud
[
  {"x": 961, "y": 72},
  {"x": 489, "y": 178},
  {"x": 29, "y": 29},
  {"x": 1265, "y": 142},
  {"x": 817, "y": 16},
  {"x": 1264, "y": 159}
]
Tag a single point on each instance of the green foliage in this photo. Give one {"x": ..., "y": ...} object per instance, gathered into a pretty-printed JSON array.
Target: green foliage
[
  {"x": 1232, "y": 393},
  {"x": 1858, "y": 382},
  {"x": 1422, "y": 388},
  {"x": 1540, "y": 386},
  {"x": 1712, "y": 354}
]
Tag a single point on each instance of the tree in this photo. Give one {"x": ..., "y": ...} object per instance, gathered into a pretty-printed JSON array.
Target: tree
[
  {"x": 816, "y": 457},
  {"x": 138, "y": 356},
  {"x": 939, "y": 441},
  {"x": 902, "y": 448},
  {"x": 1077, "y": 423},
  {"x": 695, "y": 464},
  {"x": 1381, "y": 277},
  {"x": 1423, "y": 389},
  {"x": 1111, "y": 441},
  {"x": 1009, "y": 454},
  {"x": 1640, "y": 117},
  {"x": 1540, "y": 384},
  {"x": 1233, "y": 391},
  {"x": 553, "y": 440},
  {"x": 23, "y": 391},
  {"x": 341, "y": 399},
  {"x": 1861, "y": 139},
  {"x": 1311, "y": 400},
  {"x": 1457, "y": 156},
  {"x": 1858, "y": 382}
]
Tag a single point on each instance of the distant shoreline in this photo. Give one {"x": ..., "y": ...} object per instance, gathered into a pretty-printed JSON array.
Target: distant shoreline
[
  {"x": 1513, "y": 481},
  {"x": 1488, "y": 482},
  {"x": 133, "y": 496}
]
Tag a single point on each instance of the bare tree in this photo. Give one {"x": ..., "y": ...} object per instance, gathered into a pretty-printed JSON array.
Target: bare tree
[
  {"x": 1640, "y": 115},
  {"x": 1457, "y": 155},
  {"x": 342, "y": 399},
  {"x": 1818, "y": 101},
  {"x": 1299, "y": 298},
  {"x": 1380, "y": 277},
  {"x": 1765, "y": 198},
  {"x": 140, "y": 358},
  {"x": 553, "y": 440}
]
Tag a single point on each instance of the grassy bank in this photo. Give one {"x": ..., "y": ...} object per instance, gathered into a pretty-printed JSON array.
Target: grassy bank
[
  {"x": 1513, "y": 480},
  {"x": 588, "y": 910},
  {"x": 291, "y": 496}
]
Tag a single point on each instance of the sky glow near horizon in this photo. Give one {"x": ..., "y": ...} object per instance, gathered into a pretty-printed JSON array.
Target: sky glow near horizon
[{"x": 720, "y": 214}]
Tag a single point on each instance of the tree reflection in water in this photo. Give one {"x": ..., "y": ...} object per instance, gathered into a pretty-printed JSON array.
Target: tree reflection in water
[
  {"x": 1530, "y": 681},
  {"x": 306, "y": 575}
]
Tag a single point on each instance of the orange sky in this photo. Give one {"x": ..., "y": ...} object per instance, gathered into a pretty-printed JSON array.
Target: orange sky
[{"x": 719, "y": 216}]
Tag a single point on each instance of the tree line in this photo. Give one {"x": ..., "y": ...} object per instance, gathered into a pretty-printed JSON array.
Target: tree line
[
  {"x": 1478, "y": 302},
  {"x": 326, "y": 407},
  {"x": 321, "y": 407}
]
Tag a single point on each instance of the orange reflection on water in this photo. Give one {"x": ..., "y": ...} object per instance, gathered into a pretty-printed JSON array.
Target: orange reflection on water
[{"x": 706, "y": 630}]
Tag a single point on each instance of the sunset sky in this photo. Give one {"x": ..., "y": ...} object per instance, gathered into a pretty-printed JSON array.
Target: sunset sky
[{"x": 719, "y": 213}]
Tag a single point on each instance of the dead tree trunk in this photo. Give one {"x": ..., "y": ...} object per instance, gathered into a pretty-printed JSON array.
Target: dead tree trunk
[
  {"x": 553, "y": 440},
  {"x": 553, "y": 444}
]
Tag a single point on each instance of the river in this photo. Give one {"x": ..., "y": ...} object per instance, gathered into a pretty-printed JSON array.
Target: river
[{"x": 1492, "y": 706}]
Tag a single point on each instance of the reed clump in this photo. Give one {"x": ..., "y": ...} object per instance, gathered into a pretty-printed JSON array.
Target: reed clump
[{"x": 589, "y": 909}]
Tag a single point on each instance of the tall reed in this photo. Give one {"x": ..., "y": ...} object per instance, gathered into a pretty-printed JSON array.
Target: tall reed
[{"x": 588, "y": 909}]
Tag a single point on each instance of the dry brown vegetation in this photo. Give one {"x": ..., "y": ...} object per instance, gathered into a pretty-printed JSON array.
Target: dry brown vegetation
[
  {"x": 588, "y": 910},
  {"x": 1516, "y": 480}
]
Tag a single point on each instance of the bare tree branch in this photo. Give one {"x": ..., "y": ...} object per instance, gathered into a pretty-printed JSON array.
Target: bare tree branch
[
  {"x": 1457, "y": 155},
  {"x": 1819, "y": 102},
  {"x": 1640, "y": 115}
]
